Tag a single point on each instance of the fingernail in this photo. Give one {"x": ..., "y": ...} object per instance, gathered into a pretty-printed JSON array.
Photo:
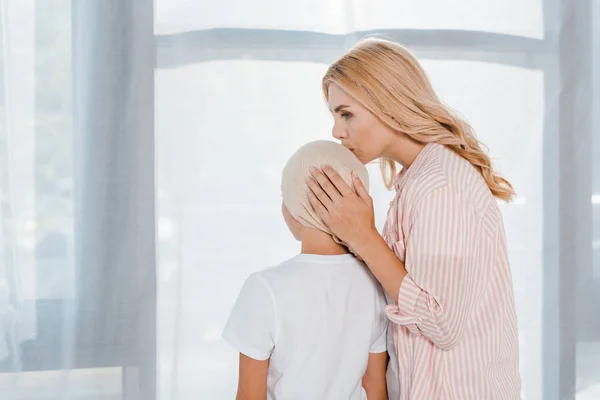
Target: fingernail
[{"x": 313, "y": 169}]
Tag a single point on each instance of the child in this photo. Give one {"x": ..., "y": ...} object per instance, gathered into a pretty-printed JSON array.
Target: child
[{"x": 313, "y": 327}]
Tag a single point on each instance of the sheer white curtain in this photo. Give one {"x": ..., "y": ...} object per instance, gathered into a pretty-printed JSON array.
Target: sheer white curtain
[
  {"x": 98, "y": 112},
  {"x": 78, "y": 269}
]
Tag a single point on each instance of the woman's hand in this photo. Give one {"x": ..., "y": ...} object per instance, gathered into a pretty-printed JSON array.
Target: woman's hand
[{"x": 348, "y": 213}]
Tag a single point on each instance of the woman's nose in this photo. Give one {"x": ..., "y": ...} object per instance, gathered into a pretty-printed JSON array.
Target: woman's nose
[{"x": 339, "y": 133}]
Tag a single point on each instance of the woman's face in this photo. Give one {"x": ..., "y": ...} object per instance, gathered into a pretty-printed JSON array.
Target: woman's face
[{"x": 357, "y": 128}]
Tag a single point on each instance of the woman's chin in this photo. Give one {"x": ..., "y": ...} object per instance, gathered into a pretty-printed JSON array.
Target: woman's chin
[
  {"x": 359, "y": 156},
  {"x": 364, "y": 160}
]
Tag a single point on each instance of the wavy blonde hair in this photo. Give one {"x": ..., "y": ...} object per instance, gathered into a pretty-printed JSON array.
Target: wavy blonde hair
[{"x": 389, "y": 81}]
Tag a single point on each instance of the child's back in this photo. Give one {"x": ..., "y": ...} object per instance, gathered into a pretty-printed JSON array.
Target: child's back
[
  {"x": 314, "y": 327},
  {"x": 317, "y": 317}
]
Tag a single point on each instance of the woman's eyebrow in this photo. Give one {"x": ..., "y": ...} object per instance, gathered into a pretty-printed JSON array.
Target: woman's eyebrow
[{"x": 340, "y": 107}]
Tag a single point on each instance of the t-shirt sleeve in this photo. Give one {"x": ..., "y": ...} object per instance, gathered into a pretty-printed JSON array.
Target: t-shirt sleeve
[
  {"x": 381, "y": 326},
  {"x": 251, "y": 327}
]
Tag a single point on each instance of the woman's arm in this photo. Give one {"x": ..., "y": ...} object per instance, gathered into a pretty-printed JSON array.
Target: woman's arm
[
  {"x": 349, "y": 214},
  {"x": 383, "y": 262},
  {"x": 447, "y": 276},
  {"x": 252, "y": 383},
  {"x": 450, "y": 261}
]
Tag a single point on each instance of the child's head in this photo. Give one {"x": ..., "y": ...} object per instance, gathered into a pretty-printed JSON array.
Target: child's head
[{"x": 294, "y": 189}]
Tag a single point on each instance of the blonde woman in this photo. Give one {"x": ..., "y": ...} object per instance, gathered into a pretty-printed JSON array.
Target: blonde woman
[{"x": 443, "y": 254}]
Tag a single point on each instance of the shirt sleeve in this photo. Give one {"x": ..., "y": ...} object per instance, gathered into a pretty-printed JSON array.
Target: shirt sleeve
[
  {"x": 445, "y": 275},
  {"x": 251, "y": 327},
  {"x": 381, "y": 326}
]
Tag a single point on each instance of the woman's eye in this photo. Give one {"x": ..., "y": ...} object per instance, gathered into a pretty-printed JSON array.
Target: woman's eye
[{"x": 346, "y": 115}]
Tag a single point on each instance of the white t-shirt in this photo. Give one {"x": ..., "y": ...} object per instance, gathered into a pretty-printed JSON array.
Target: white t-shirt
[{"x": 318, "y": 318}]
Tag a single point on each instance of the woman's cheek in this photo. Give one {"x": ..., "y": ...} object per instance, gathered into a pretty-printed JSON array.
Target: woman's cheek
[
  {"x": 358, "y": 130},
  {"x": 353, "y": 127}
]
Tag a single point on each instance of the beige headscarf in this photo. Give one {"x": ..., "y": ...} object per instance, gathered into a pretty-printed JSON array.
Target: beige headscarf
[{"x": 293, "y": 184}]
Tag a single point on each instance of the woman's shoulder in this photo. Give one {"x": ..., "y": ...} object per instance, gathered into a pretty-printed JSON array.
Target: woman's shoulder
[
  {"x": 443, "y": 190},
  {"x": 447, "y": 171},
  {"x": 429, "y": 179}
]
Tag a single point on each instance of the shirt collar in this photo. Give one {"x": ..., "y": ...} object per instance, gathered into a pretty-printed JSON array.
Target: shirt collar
[{"x": 422, "y": 159}]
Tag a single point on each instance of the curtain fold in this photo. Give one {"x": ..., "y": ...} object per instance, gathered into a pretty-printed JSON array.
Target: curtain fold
[
  {"x": 17, "y": 318},
  {"x": 81, "y": 144},
  {"x": 115, "y": 316}
]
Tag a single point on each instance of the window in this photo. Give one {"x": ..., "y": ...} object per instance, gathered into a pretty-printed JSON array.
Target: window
[{"x": 239, "y": 90}]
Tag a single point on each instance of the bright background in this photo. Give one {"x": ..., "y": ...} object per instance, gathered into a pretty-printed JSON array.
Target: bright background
[{"x": 109, "y": 292}]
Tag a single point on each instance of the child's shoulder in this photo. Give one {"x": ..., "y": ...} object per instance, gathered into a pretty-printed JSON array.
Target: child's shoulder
[
  {"x": 275, "y": 280},
  {"x": 278, "y": 271},
  {"x": 292, "y": 272},
  {"x": 303, "y": 270}
]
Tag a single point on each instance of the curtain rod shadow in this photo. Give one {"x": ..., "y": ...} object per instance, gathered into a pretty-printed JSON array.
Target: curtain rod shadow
[{"x": 303, "y": 46}]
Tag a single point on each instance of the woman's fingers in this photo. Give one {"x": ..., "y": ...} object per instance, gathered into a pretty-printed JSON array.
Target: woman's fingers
[
  {"x": 317, "y": 205},
  {"x": 337, "y": 181},
  {"x": 359, "y": 187},
  {"x": 325, "y": 184},
  {"x": 319, "y": 193}
]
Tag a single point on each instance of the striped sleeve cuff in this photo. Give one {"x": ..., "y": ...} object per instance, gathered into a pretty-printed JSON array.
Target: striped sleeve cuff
[{"x": 404, "y": 312}]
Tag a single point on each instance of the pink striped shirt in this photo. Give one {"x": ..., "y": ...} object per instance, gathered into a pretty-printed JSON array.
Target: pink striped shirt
[{"x": 455, "y": 326}]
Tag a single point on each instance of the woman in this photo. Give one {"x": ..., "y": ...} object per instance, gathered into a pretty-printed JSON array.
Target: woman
[{"x": 443, "y": 253}]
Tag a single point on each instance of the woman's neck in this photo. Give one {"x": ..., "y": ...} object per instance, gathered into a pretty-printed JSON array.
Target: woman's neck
[{"x": 404, "y": 151}]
